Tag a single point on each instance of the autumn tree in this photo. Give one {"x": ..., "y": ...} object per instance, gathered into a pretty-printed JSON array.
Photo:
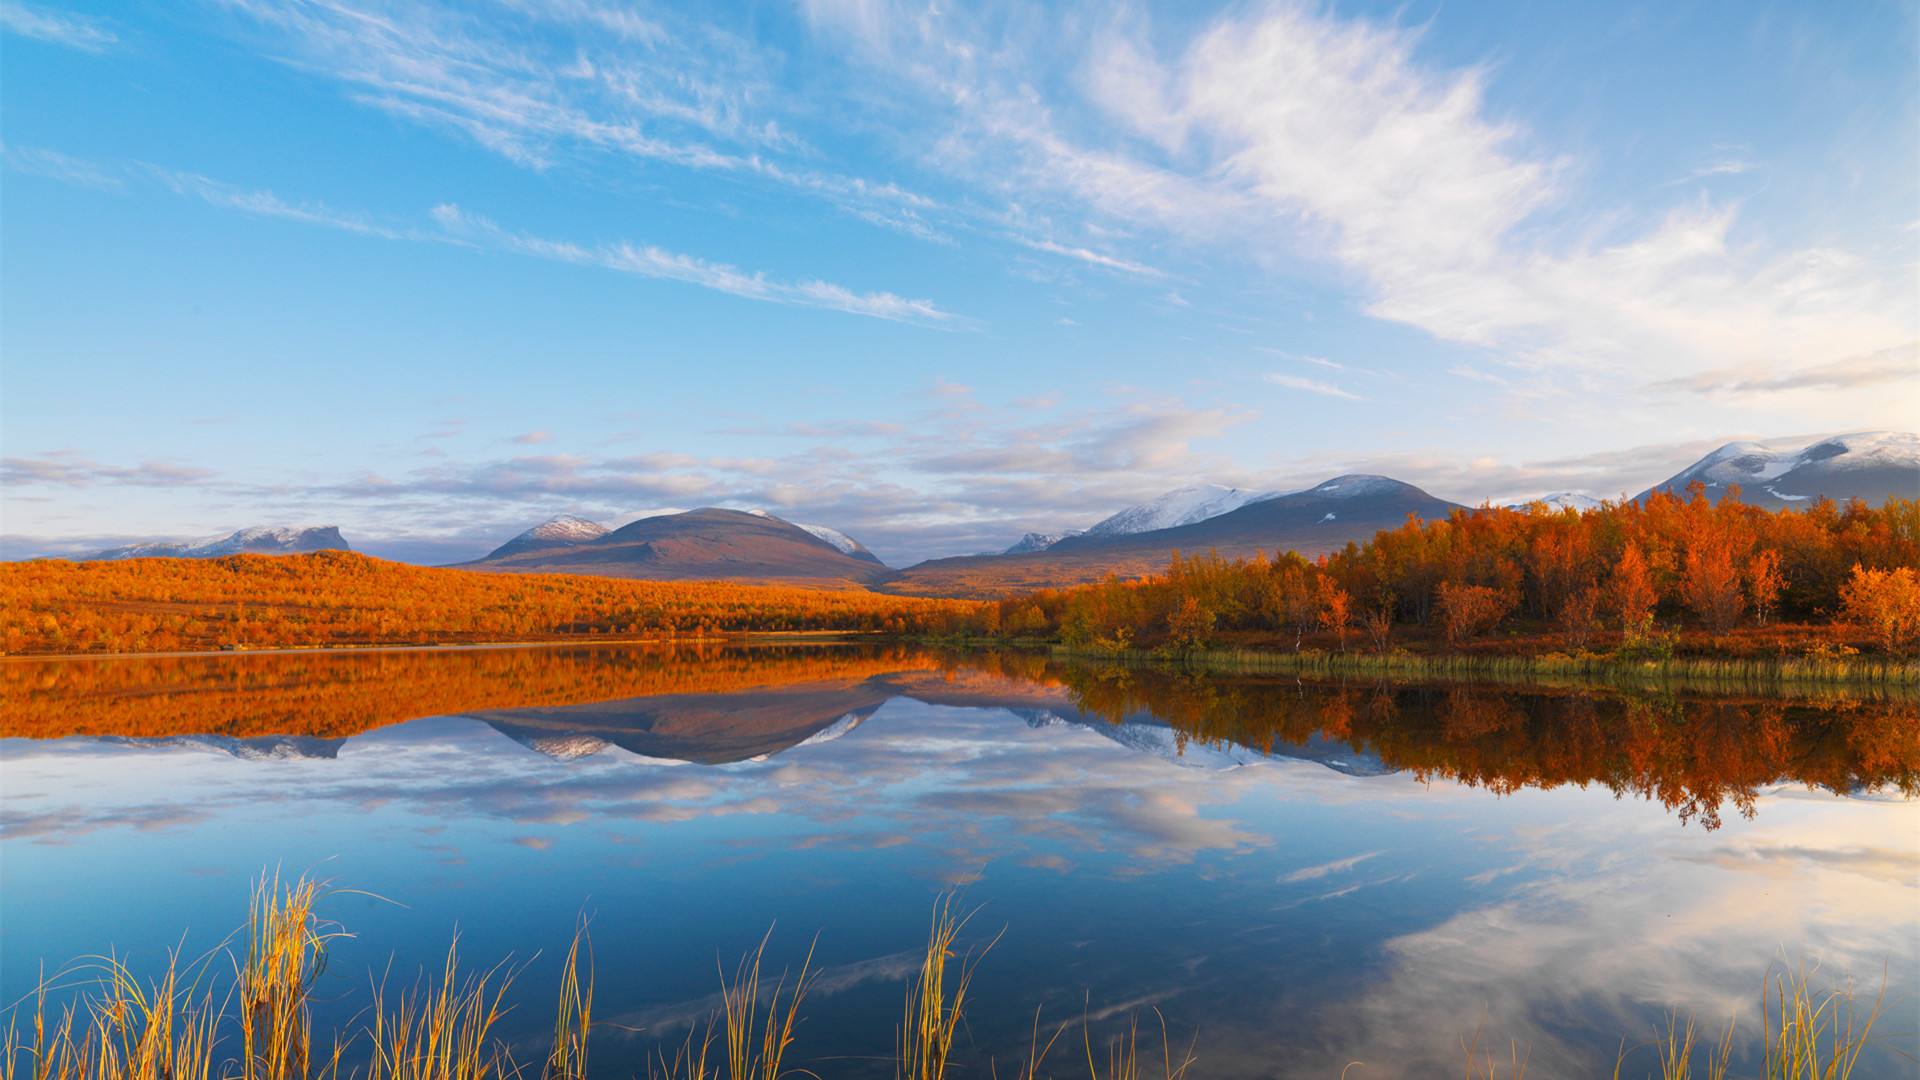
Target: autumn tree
[
  {"x": 1190, "y": 625},
  {"x": 1579, "y": 616},
  {"x": 1378, "y": 624},
  {"x": 1467, "y": 611},
  {"x": 1886, "y": 603},
  {"x": 1764, "y": 583},
  {"x": 1711, "y": 584},
  {"x": 1632, "y": 593},
  {"x": 1336, "y": 608}
]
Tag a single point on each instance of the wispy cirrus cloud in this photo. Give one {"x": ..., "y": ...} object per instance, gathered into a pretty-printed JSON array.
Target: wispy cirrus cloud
[
  {"x": 452, "y": 225},
  {"x": 543, "y": 83},
  {"x": 75, "y": 31},
  {"x": 1311, "y": 386},
  {"x": 646, "y": 260}
]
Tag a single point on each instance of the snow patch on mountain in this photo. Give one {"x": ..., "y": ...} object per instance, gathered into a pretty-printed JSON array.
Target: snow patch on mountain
[
  {"x": 1181, "y": 506},
  {"x": 564, "y": 530},
  {"x": 836, "y": 729},
  {"x": 847, "y": 544},
  {"x": 840, "y": 541},
  {"x": 1355, "y": 485},
  {"x": 567, "y": 528}
]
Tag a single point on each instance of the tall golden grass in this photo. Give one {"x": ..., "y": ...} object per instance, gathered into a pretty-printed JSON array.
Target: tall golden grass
[
  {"x": 180, "y": 1024},
  {"x": 1701, "y": 672}
]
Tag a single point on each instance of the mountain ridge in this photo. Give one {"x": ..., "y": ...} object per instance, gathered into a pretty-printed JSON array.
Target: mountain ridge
[{"x": 253, "y": 540}]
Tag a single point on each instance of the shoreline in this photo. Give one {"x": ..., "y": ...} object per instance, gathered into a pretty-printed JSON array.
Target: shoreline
[
  {"x": 755, "y": 636},
  {"x": 1595, "y": 670},
  {"x": 1592, "y": 670}
]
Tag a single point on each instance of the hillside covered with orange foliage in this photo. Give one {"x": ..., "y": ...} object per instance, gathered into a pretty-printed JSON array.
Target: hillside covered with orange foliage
[
  {"x": 1719, "y": 577},
  {"x": 334, "y": 598},
  {"x": 1733, "y": 577}
]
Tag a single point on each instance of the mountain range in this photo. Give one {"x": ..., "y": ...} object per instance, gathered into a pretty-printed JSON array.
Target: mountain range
[
  {"x": 753, "y": 545},
  {"x": 259, "y": 540},
  {"x": 1869, "y": 465}
]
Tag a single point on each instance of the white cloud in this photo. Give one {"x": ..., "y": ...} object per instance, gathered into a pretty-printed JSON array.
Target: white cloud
[
  {"x": 1311, "y": 386},
  {"x": 58, "y": 27},
  {"x": 541, "y": 83},
  {"x": 647, "y": 260},
  {"x": 1287, "y": 129}
]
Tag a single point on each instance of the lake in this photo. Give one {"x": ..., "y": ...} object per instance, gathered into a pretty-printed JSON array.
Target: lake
[{"x": 1290, "y": 876}]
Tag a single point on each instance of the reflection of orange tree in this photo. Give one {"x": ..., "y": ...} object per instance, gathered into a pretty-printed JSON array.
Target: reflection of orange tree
[
  {"x": 1693, "y": 755},
  {"x": 338, "y": 598},
  {"x": 338, "y": 694}
]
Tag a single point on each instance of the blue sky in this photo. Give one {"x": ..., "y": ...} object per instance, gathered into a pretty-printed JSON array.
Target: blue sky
[{"x": 935, "y": 277}]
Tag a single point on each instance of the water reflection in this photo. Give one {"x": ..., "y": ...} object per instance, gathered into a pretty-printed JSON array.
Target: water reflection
[
  {"x": 1303, "y": 875},
  {"x": 1695, "y": 754}
]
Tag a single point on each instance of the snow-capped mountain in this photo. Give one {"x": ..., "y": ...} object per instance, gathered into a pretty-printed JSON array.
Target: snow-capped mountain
[
  {"x": 847, "y": 544},
  {"x": 564, "y": 530},
  {"x": 1870, "y": 465},
  {"x": 1181, "y": 506},
  {"x": 258, "y": 540},
  {"x": 1354, "y": 486},
  {"x": 1033, "y": 542},
  {"x": 1560, "y": 500}
]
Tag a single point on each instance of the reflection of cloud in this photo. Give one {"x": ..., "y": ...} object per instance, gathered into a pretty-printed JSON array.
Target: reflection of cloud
[
  {"x": 1788, "y": 861},
  {"x": 69, "y": 826},
  {"x": 1308, "y": 873},
  {"x": 1639, "y": 925},
  {"x": 825, "y": 982},
  {"x": 1603, "y": 915}
]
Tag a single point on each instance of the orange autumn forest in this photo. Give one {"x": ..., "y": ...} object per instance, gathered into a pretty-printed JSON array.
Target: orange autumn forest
[{"x": 1645, "y": 579}]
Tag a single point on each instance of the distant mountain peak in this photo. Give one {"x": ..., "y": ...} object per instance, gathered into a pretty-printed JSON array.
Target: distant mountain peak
[
  {"x": 708, "y": 543},
  {"x": 1772, "y": 473},
  {"x": 561, "y": 530},
  {"x": 1560, "y": 500},
  {"x": 253, "y": 540},
  {"x": 1036, "y": 542},
  {"x": 1356, "y": 485},
  {"x": 1181, "y": 506}
]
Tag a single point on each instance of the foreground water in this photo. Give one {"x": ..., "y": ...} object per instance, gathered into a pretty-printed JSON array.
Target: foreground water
[{"x": 1295, "y": 877}]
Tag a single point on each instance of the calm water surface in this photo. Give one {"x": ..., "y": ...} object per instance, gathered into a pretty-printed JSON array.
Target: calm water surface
[{"x": 1294, "y": 876}]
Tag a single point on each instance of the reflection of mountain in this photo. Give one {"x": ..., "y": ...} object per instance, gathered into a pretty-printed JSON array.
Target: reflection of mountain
[
  {"x": 716, "y": 729},
  {"x": 710, "y": 729},
  {"x": 257, "y": 748},
  {"x": 1150, "y": 735},
  {"x": 1697, "y": 754}
]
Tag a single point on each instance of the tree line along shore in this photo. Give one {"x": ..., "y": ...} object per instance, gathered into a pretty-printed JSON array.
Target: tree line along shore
[{"x": 1662, "y": 581}]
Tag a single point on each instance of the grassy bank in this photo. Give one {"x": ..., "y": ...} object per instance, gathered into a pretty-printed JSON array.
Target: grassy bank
[
  {"x": 243, "y": 1012},
  {"x": 1680, "y": 672}
]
